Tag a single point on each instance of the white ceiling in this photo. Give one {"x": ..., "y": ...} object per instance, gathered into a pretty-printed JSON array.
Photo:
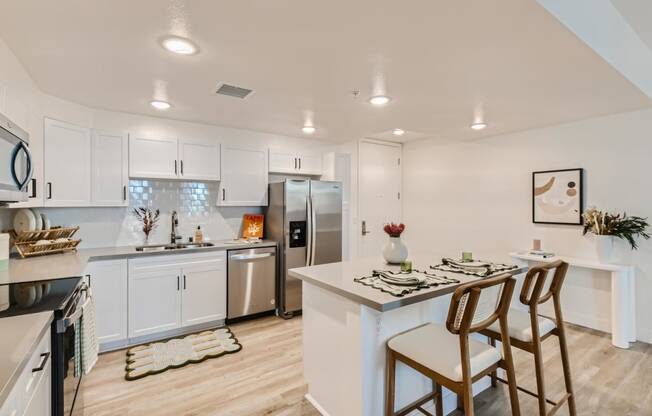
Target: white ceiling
[
  {"x": 443, "y": 62},
  {"x": 638, "y": 13}
]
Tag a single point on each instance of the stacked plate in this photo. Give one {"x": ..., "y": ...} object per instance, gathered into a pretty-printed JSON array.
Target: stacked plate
[
  {"x": 400, "y": 279},
  {"x": 30, "y": 220}
]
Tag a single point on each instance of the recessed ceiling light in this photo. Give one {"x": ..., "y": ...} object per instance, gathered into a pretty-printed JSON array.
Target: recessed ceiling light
[
  {"x": 379, "y": 100},
  {"x": 179, "y": 45},
  {"x": 478, "y": 126},
  {"x": 308, "y": 129},
  {"x": 160, "y": 105},
  {"x": 398, "y": 132}
]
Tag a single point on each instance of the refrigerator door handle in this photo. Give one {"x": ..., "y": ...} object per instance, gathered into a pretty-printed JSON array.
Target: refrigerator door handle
[
  {"x": 313, "y": 231},
  {"x": 309, "y": 230}
]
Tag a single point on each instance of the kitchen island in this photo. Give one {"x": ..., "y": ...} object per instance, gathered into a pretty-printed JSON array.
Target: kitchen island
[{"x": 346, "y": 325}]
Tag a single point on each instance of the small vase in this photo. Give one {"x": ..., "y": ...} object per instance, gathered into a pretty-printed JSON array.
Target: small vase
[
  {"x": 395, "y": 251},
  {"x": 604, "y": 245}
]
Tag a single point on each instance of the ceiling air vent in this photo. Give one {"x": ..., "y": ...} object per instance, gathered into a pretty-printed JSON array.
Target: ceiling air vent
[{"x": 233, "y": 91}]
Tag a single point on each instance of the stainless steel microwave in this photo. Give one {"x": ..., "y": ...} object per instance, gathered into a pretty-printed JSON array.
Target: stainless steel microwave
[{"x": 15, "y": 162}]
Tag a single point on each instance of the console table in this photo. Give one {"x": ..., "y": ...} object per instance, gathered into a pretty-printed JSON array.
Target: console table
[{"x": 623, "y": 293}]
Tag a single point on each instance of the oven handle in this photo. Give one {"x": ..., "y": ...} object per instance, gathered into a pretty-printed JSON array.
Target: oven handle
[{"x": 69, "y": 320}]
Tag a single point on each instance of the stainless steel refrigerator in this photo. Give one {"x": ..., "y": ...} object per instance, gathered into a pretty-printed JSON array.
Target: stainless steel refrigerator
[{"x": 305, "y": 218}]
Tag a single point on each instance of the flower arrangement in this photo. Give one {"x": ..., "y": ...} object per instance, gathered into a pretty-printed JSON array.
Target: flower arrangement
[
  {"x": 394, "y": 230},
  {"x": 617, "y": 225},
  {"x": 149, "y": 218}
]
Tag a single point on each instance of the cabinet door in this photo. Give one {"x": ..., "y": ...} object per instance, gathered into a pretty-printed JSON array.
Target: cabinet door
[
  {"x": 40, "y": 404},
  {"x": 108, "y": 281},
  {"x": 283, "y": 162},
  {"x": 310, "y": 164},
  {"x": 153, "y": 158},
  {"x": 67, "y": 164},
  {"x": 154, "y": 301},
  {"x": 109, "y": 169},
  {"x": 204, "y": 292},
  {"x": 244, "y": 177},
  {"x": 199, "y": 159}
]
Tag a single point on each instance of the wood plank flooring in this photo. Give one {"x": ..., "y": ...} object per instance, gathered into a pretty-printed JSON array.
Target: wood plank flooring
[{"x": 265, "y": 378}]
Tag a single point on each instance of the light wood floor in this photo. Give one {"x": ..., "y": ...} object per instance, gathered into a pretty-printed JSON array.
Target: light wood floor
[{"x": 265, "y": 378}]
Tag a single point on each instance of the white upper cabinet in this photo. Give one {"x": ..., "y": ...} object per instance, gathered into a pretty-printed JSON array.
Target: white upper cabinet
[
  {"x": 295, "y": 163},
  {"x": 153, "y": 158},
  {"x": 192, "y": 159},
  {"x": 67, "y": 164},
  {"x": 244, "y": 177},
  {"x": 310, "y": 164},
  {"x": 109, "y": 169},
  {"x": 199, "y": 159}
]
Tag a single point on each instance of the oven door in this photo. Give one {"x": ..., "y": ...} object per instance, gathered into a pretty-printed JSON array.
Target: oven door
[
  {"x": 15, "y": 162},
  {"x": 67, "y": 380}
]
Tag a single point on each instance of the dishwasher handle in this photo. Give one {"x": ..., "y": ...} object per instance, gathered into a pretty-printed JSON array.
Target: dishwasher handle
[{"x": 245, "y": 257}]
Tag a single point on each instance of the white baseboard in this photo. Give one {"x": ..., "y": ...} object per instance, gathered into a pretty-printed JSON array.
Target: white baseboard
[{"x": 316, "y": 405}]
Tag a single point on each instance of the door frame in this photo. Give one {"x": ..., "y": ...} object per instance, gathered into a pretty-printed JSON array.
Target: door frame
[{"x": 358, "y": 224}]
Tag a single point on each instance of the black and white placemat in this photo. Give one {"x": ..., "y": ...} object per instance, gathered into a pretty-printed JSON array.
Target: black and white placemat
[
  {"x": 422, "y": 280},
  {"x": 453, "y": 266}
]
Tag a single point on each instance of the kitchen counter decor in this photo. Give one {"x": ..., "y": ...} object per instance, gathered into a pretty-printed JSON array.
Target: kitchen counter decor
[
  {"x": 606, "y": 226},
  {"x": 394, "y": 251},
  {"x": 42, "y": 242},
  {"x": 157, "y": 357},
  {"x": 473, "y": 268},
  {"x": 403, "y": 283}
]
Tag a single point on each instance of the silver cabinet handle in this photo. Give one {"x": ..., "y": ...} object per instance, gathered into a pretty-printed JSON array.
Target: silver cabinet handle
[{"x": 244, "y": 257}]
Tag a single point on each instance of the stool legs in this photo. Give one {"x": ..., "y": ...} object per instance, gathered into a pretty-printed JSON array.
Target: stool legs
[
  {"x": 567, "y": 372},
  {"x": 494, "y": 374},
  {"x": 390, "y": 381}
]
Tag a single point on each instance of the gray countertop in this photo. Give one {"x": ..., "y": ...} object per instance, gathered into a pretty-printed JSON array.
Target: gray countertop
[
  {"x": 20, "y": 337},
  {"x": 338, "y": 278},
  {"x": 73, "y": 264}
]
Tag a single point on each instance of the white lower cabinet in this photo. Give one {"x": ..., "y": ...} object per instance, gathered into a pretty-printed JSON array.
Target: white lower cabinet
[
  {"x": 175, "y": 291},
  {"x": 154, "y": 301},
  {"x": 32, "y": 393},
  {"x": 203, "y": 298},
  {"x": 108, "y": 282}
]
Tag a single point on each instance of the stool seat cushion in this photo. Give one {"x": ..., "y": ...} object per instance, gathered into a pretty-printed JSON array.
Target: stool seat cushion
[
  {"x": 520, "y": 327},
  {"x": 434, "y": 347}
]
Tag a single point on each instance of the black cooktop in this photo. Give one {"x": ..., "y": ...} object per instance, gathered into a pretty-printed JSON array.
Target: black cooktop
[{"x": 25, "y": 298}]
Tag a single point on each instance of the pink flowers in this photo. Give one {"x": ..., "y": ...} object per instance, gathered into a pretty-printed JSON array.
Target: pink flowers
[{"x": 394, "y": 230}]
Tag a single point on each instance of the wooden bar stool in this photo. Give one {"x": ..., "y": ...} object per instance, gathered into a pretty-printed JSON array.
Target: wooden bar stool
[
  {"x": 448, "y": 356},
  {"x": 528, "y": 330}
]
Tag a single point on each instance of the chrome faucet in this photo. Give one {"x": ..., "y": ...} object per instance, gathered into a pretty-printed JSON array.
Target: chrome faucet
[{"x": 173, "y": 235}]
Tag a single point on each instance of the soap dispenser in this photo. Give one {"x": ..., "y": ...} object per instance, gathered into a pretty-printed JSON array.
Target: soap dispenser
[{"x": 199, "y": 236}]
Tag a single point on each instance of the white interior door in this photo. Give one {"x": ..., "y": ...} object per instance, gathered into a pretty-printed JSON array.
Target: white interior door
[{"x": 379, "y": 192}]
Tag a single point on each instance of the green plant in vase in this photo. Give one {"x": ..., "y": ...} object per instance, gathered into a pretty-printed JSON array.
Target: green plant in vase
[{"x": 606, "y": 225}]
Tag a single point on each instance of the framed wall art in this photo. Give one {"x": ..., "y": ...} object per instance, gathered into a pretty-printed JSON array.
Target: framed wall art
[{"x": 557, "y": 196}]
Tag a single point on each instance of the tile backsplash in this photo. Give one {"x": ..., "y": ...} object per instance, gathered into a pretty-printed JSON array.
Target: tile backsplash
[{"x": 195, "y": 202}]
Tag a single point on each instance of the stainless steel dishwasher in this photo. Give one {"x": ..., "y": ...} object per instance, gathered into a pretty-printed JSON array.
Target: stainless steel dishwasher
[{"x": 251, "y": 282}]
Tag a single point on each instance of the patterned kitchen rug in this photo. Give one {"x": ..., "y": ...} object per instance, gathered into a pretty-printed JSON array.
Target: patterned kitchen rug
[{"x": 157, "y": 357}]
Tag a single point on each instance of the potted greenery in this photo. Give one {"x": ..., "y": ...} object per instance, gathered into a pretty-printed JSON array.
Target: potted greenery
[
  {"x": 394, "y": 251},
  {"x": 606, "y": 226}
]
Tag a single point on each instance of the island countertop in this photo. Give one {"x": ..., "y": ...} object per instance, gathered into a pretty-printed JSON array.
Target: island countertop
[
  {"x": 73, "y": 264},
  {"x": 338, "y": 278}
]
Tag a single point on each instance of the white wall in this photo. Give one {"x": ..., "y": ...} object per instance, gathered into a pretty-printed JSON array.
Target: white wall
[
  {"x": 476, "y": 196},
  {"x": 25, "y": 104}
]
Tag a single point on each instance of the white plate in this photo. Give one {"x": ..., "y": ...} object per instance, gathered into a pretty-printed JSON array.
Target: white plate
[
  {"x": 24, "y": 220},
  {"x": 46, "y": 221},
  {"x": 38, "y": 218}
]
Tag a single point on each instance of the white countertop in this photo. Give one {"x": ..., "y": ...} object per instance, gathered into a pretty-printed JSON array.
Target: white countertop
[
  {"x": 73, "y": 264},
  {"x": 338, "y": 278},
  {"x": 20, "y": 337}
]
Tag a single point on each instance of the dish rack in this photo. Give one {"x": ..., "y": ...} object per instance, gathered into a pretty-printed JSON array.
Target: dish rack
[{"x": 27, "y": 242}]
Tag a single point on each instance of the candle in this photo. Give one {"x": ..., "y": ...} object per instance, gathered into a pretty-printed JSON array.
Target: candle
[
  {"x": 406, "y": 266},
  {"x": 467, "y": 256}
]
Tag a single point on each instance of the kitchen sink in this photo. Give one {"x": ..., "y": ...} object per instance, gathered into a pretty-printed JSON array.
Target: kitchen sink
[{"x": 178, "y": 246}]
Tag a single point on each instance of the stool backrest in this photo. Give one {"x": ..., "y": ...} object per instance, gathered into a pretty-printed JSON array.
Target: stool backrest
[
  {"x": 538, "y": 287},
  {"x": 477, "y": 305}
]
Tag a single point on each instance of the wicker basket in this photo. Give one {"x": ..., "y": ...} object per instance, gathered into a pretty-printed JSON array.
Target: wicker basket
[{"x": 26, "y": 242}]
